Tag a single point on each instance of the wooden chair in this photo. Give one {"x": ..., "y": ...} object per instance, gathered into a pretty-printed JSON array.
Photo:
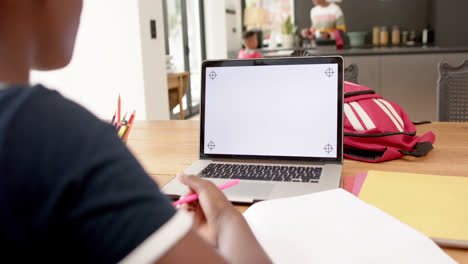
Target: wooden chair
[
  {"x": 300, "y": 53},
  {"x": 177, "y": 85},
  {"x": 452, "y": 92},
  {"x": 351, "y": 73}
]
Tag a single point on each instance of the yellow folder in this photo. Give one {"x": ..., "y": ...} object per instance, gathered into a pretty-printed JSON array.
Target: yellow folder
[{"x": 435, "y": 205}]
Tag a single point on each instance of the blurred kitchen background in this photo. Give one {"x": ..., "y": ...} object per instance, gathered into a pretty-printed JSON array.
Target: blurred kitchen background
[
  {"x": 392, "y": 46},
  {"x": 447, "y": 18},
  {"x": 150, "y": 51}
]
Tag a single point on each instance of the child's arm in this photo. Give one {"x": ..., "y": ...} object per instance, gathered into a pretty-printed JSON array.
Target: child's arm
[
  {"x": 192, "y": 249},
  {"x": 219, "y": 223}
]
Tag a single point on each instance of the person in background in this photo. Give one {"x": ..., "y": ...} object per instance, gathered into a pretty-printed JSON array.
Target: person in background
[
  {"x": 250, "y": 40},
  {"x": 326, "y": 18},
  {"x": 70, "y": 190}
]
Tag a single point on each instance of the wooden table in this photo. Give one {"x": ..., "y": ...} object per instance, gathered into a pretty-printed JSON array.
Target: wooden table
[
  {"x": 167, "y": 147},
  {"x": 177, "y": 84}
]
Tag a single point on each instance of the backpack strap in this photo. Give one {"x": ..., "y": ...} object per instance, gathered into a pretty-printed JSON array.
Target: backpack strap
[
  {"x": 350, "y": 94},
  {"x": 372, "y": 156},
  {"x": 363, "y": 154},
  {"x": 423, "y": 147},
  {"x": 420, "y": 149},
  {"x": 347, "y": 134},
  {"x": 421, "y": 122}
]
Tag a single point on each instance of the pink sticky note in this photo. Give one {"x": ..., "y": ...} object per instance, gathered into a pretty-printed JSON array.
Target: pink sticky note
[
  {"x": 348, "y": 183},
  {"x": 358, "y": 182}
]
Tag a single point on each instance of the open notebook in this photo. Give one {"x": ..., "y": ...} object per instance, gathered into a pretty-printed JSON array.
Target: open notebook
[{"x": 336, "y": 227}]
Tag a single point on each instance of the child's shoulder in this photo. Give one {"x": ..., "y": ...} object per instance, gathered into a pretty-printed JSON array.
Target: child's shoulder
[{"x": 46, "y": 114}]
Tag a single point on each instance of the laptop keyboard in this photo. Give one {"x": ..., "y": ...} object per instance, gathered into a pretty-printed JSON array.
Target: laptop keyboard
[{"x": 262, "y": 172}]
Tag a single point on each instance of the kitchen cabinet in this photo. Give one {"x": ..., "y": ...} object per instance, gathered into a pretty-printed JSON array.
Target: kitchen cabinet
[
  {"x": 369, "y": 70},
  {"x": 409, "y": 80}
]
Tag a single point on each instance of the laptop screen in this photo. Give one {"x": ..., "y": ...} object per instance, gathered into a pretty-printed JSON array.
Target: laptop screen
[{"x": 272, "y": 110}]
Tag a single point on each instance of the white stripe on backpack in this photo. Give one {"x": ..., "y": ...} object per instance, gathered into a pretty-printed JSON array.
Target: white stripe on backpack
[
  {"x": 352, "y": 118},
  {"x": 389, "y": 115},
  {"x": 392, "y": 110},
  {"x": 363, "y": 115}
]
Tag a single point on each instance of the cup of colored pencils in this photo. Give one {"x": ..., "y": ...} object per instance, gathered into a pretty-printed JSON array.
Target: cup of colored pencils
[{"x": 122, "y": 125}]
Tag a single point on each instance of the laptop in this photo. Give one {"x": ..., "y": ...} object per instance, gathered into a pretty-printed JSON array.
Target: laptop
[{"x": 274, "y": 124}]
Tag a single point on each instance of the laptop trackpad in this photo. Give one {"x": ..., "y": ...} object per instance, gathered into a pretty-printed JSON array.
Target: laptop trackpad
[{"x": 249, "y": 190}]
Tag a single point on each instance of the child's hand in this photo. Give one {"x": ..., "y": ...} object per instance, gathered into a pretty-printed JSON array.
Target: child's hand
[
  {"x": 210, "y": 210},
  {"x": 221, "y": 224}
]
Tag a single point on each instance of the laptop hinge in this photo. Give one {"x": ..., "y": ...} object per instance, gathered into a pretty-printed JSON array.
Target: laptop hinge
[{"x": 272, "y": 161}]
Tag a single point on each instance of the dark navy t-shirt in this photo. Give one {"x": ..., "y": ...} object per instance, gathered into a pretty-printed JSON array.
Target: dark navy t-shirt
[{"x": 70, "y": 191}]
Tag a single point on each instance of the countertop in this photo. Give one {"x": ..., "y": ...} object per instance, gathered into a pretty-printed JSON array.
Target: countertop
[{"x": 370, "y": 51}]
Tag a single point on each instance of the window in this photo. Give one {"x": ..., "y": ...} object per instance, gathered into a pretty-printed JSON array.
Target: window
[
  {"x": 276, "y": 12},
  {"x": 185, "y": 43}
]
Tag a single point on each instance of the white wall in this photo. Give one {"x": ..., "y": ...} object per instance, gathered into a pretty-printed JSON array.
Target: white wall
[
  {"x": 111, "y": 58},
  {"x": 154, "y": 62},
  {"x": 234, "y": 26},
  {"x": 215, "y": 29}
]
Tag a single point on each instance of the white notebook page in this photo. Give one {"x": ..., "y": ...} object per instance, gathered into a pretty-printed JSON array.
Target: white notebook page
[{"x": 336, "y": 227}]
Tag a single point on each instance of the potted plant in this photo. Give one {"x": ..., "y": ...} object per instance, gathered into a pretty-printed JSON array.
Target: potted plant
[{"x": 288, "y": 33}]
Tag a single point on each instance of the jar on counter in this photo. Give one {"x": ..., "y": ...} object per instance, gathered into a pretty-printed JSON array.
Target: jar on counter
[
  {"x": 404, "y": 37},
  {"x": 376, "y": 36},
  {"x": 384, "y": 36},
  {"x": 412, "y": 38},
  {"x": 396, "y": 36},
  {"x": 425, "y": 36}
]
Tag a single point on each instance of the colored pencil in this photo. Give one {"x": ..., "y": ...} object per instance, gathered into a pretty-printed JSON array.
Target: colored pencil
[
  {"x": 118, "y": 110},
  {"x": 122, "y": 131},
  {"x": 121, "y": 124},
  {"x": 127, "y": 131},
  {"x": 132, "y": 117},
  {"x": 113, "y": 119},
  {"x": 123, "y": 118},
  {"x": 130, "y": 124}
]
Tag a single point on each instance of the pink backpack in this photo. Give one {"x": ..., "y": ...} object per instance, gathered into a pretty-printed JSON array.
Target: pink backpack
[{"x": 377, "y": 130}]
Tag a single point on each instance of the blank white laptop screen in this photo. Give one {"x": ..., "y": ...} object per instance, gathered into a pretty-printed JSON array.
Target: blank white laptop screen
[{"x": 281, "y": 110}]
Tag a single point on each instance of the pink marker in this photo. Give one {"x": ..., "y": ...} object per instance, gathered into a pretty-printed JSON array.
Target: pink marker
[{"x": 194, "y": 197}]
